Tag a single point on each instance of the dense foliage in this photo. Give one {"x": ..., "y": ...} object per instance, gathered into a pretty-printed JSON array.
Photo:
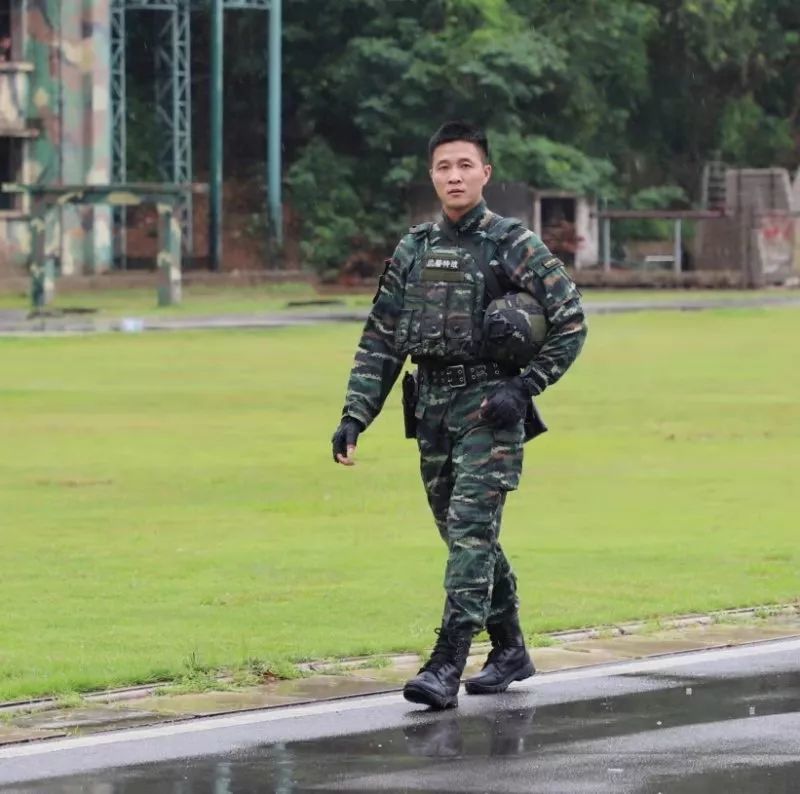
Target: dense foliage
[{"x": 606, "y": 96}]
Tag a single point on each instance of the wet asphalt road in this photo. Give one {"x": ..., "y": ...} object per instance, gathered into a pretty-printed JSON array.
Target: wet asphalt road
[{"x": 715, "y": 721}]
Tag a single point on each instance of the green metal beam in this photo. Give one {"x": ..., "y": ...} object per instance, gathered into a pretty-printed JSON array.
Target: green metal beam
[
  {"x": 118, "y": 93},
  {"x": 182, "y": 102},
  {"x": 274, "y": 121},
  {"x": 215, "y": 169}
]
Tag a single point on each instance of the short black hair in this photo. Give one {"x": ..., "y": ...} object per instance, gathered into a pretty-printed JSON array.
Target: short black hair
[{"x": 459, "y": 131}]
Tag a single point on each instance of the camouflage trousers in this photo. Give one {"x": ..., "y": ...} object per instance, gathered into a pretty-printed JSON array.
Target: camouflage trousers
[{"x": 467, "y": 468}]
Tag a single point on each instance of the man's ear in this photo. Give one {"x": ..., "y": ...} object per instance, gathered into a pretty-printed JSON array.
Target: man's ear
[{"x": 487, "y": 173}]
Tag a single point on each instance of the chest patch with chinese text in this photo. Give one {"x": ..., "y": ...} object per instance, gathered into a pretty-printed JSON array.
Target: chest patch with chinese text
[{"x": 444, "y": 264}]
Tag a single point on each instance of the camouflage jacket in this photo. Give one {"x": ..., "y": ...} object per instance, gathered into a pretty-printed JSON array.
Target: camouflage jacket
[{"x": 522, "y": 262}]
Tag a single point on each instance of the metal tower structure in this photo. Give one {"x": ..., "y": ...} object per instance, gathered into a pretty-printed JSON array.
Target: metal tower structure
[
  {"x": 174, "y": 102},
  {"x": 173, "y": 98},
  {"x": 173, "y": 91},
  {"x": 119, "y": 137}
]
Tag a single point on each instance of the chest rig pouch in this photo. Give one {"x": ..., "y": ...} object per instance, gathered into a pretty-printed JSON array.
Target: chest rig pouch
[{"x": 442, "y": 314}]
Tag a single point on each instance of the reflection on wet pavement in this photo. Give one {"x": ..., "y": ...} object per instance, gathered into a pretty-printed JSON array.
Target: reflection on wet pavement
[{"x": 696, "y": 735}]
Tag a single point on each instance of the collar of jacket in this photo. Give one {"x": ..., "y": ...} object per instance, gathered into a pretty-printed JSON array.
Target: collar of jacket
[{"x": 466, "y": 224}]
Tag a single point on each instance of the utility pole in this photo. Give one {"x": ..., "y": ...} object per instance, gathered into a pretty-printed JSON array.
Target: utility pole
[{"x": 274, "y": 122}]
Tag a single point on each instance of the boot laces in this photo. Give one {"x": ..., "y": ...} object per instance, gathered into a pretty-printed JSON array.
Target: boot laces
[{"x": 444, "y": 651}]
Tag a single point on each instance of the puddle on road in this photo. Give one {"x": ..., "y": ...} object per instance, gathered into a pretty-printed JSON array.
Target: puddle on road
[{"x": 508, "y": 749}]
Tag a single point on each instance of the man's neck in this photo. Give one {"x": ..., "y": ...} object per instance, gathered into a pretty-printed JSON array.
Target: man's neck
[{"x": 454, "y": 216}]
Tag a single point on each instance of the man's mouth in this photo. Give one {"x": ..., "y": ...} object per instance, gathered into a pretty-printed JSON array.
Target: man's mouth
[{"x": 456, "y": 191}]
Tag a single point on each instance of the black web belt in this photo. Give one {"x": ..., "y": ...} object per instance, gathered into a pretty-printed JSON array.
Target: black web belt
[{"x": 458, "y": 376}]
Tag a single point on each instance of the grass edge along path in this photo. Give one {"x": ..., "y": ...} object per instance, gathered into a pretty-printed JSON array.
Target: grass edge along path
[
  {"x": 173, "y": 501},
  {"x": 193, "y": 679}
]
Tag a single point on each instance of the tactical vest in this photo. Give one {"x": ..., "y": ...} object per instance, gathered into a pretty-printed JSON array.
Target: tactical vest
[{"x": 445, "y": 297}]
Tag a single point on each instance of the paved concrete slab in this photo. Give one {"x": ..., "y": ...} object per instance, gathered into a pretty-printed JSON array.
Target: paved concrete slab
[
  {"x": 274, "y": 694},
  {"x": 14, "y": 324},
  {"x": 348, "y": 679},
  {"x": 79, "y": 720},
  {"x": 634, "y": 646},
  {"x": 17, "y": 734}
]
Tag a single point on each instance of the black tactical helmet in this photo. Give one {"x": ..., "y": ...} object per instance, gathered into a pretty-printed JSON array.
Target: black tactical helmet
[{"x": 514, "y": 329}]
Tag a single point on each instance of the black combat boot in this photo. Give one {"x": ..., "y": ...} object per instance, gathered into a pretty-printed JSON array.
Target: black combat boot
[
  {"x": 436, "y": 684},
  {"x": 508, "y": 660}
]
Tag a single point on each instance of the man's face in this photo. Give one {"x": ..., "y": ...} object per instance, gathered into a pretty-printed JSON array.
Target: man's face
[{"x": 459, "y": 174}]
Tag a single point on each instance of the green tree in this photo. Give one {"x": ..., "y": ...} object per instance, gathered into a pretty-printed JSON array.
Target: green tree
[{"x": 607, "y": 96}]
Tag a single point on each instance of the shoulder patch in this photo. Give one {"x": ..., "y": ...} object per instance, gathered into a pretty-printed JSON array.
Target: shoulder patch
[
  {"x": 546, "y": 266},
  {"x": 552, "y": 262},
  {"x": 421, "y": 228}
]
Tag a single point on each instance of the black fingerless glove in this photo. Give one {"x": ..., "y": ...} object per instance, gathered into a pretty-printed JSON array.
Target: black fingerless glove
[
  {"x": 507, "y": 405},
  {"x": 346, "y": 436}
]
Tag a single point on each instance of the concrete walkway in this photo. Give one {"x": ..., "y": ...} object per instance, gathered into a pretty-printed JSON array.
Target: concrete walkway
[
  {"x": 14, "y": 322},
  {"x": 147, "y": 705}
]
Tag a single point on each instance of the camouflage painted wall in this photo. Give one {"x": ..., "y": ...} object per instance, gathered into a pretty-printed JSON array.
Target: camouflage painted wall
[
  {"x": 796, "y": 210},
  {"x": 65, "y": 49},
  {"x": 15, "y": 239},
  {"x": 14, "y": 82},
  {"x": 763, "y": 199}
]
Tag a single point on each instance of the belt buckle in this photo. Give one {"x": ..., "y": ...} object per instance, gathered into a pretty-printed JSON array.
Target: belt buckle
[{"x": 456, "y": 376}]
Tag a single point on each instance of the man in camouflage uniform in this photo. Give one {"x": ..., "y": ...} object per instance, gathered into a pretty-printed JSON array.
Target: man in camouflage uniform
[{"x": 471, "y": 408}]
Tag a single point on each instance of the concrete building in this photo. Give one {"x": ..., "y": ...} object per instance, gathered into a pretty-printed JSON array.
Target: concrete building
[
  {"x": 55, "y": 125},
  {"x": 567, "y": 224},
  {"x": 758, "y": 233}
]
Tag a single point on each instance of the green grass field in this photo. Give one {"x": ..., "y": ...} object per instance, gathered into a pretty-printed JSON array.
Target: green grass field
[{"x": 166, "y": 498}]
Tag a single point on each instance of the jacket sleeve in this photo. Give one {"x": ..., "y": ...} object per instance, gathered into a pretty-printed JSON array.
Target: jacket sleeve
[
  {"x": 531, "y": 266},
  {"x": 377, "y": 363}
]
